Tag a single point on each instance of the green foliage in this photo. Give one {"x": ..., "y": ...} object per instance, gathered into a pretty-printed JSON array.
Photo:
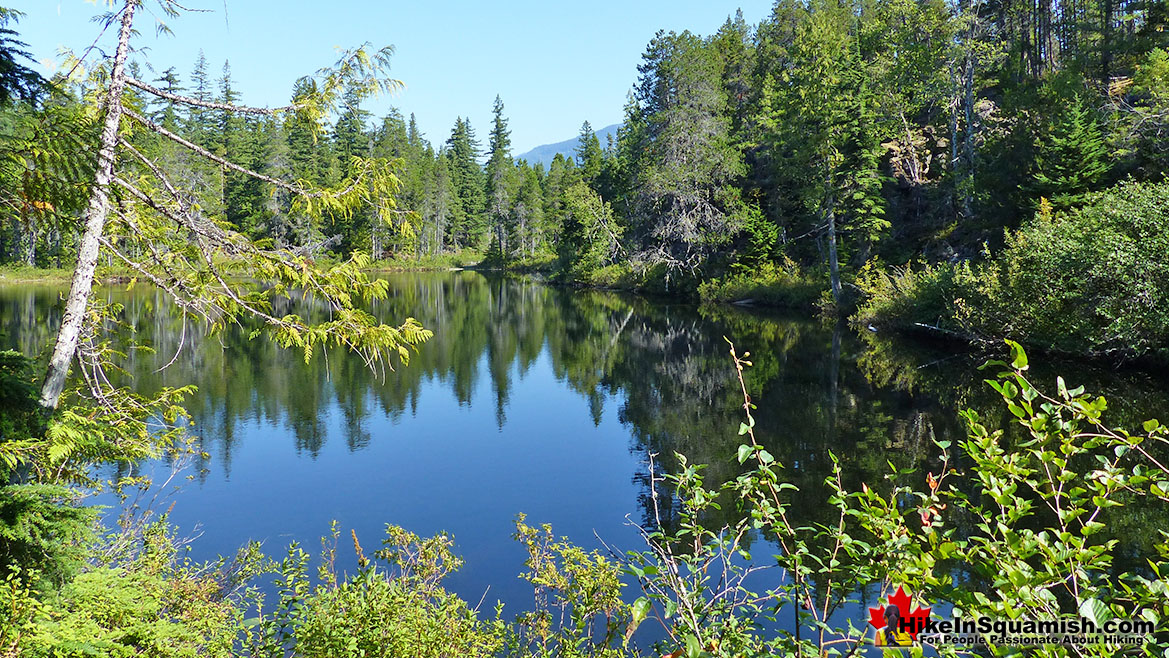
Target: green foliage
[
  {"x": 101, "y": 424},
  {"x": 394, "y": 606},
  {"x": 1071, "y": 158},
  {"x": 451, "y": 260},
  {"x": 1087, "y": 281},
  {"x": 590, "y": 237},
  {"x": 45, "y": 169},
  {"x": 44, "y": 530},
  {"x": 769, "y": 284},
  {"x": 826, "y": 134},
  {"x": 683, "y": 206},
  {"x": 468, "y": 223},
  {"x": 147, "y": 602},
  {"x": 20, "y": 415},
  {"x": 1038, "y": 502},
  {"x": 578, "y": 610},
  {"x": 17, "y": 79},
  {"x": 589, "y": 156}
]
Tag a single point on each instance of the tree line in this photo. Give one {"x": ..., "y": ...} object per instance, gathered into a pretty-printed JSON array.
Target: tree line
[{"x": 825, "y": 139}]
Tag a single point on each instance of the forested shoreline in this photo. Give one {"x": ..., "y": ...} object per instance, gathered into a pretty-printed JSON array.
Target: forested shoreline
[{"x": 825, "y": 157}]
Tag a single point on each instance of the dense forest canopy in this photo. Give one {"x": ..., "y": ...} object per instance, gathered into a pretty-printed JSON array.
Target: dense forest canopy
[{"x": 825, "y": 137}]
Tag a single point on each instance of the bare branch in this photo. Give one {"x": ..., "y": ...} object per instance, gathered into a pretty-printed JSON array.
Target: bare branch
[
  {"x": 187, "y": 100},
  {"x": 154, "y": 127}
]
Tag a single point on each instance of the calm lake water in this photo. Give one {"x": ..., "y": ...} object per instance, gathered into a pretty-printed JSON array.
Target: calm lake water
[{"x": 544, "y": 401}]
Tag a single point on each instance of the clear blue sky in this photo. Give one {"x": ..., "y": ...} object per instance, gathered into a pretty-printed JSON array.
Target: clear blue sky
[{"x": 554, "y": 63}]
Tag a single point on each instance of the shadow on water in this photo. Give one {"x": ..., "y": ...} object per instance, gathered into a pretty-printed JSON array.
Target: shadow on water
[{"x": 546, "y": 401}]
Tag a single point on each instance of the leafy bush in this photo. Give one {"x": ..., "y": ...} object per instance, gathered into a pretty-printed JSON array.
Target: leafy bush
[
  {"x": 1094, "y": 281},
  {"x": 145, "y": 602},
  {"x": 44, "y": 529},
  {"x": 1019, "y": 535},
  {"x": 1027, "y": 521},
  {"x": 20, "y": 417},
  {"x": 591, "y": 237},
  {"x": 578, "y": 610},
  {"x": 767, "y": 284},
  {"x": 394, "y": 606}
]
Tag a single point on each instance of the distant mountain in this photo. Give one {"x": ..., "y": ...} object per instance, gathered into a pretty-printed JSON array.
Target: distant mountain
[{"x": 546, "y": 152}]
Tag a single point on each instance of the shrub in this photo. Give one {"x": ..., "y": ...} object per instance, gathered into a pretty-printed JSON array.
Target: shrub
[
  {"x": 394, "y": 606},
  {"x": 768, "y": 284},
  {"x": 591, "y": 237},
  {"x": 1093, "y": 281},
  {"x": 1020, "y": 534},
  {"x": 146, "y": 602}
]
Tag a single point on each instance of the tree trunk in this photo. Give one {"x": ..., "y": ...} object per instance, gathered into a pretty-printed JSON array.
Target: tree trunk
[
  {"x": 1108, "y": 9},
  {"x": 29, "y": 253},
  {"x": 968, "y": 143},
  {"x": 95, "y": 219},
  {"x": 833, "y": 260}
]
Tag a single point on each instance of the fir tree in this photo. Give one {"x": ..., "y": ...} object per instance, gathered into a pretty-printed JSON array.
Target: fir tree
[
  {"x": 1072, "y": 159},
  {"x": 199, "y": 118},
  {"x": 165, "y": 112},
  {"x": 500, "y": 171},
  {"x": 462, "y": 155},
  {"x": 589, "y": 156}
]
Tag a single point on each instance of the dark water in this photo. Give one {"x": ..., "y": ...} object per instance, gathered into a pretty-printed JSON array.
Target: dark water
[{"x": 543, "y": 401}]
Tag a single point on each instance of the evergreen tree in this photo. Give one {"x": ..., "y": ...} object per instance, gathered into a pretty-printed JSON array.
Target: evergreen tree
[
  {"x": 468, "y": 222},
  {"x": 442, "y": 199},
  {"x": 165, "y": 112},
  {"x": 235, "y": 137},
  {"x": 500, "y": 170},
  {"x": 685, "y": 206},
  {"x": 590, "y": 238},
  {"x": 820, "y": 126},
  {"x": 1072, "y": 159},
  {"x": 529, "y": 212},
  {"x": 350, "y": 136},
  {"x": 734, "y": 46},
  {"x": 199, "y": 118},
  {"x": 589, "y": 156},
  {"x": 562, "y": 174}
]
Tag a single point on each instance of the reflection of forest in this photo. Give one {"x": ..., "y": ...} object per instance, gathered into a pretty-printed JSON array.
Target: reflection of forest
[{"x": 818, "y": 388}]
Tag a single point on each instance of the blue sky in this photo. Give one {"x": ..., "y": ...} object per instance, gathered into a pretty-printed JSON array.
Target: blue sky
[{"x": 555, "y": 64}]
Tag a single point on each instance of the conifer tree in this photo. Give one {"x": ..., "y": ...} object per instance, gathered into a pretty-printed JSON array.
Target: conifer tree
[
  {"x": 684, "y": 206},
  {"x": 589, "y": 156},
  {"x": 199, "y": 116},
  {"x": 462, "y": 154},
  {"x": 500, "y": 170},
  {"x": 1071, "y": 159},
  {"x": 166, "y": 111}
]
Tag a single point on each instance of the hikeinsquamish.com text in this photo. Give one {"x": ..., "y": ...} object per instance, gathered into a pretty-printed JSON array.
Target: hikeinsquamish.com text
[{"x": 990, "y": 631}]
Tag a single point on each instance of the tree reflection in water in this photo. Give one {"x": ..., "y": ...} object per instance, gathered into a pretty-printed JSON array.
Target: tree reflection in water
[{"x": 663, "y": 365}]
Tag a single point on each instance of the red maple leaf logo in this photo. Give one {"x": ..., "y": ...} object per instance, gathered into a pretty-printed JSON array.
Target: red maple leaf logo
[{"x": 911, "y": 622}]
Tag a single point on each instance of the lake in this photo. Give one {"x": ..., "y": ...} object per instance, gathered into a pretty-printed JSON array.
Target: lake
[{"x": 539, "y": 400}]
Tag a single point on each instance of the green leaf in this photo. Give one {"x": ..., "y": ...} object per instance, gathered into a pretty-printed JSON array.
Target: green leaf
[
  {"x": 640, "y": 610},
  {"x": 1018, "y": 356},
  {"x": 1095, "y": 611},
  {"x": 745, "y": 453}
]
